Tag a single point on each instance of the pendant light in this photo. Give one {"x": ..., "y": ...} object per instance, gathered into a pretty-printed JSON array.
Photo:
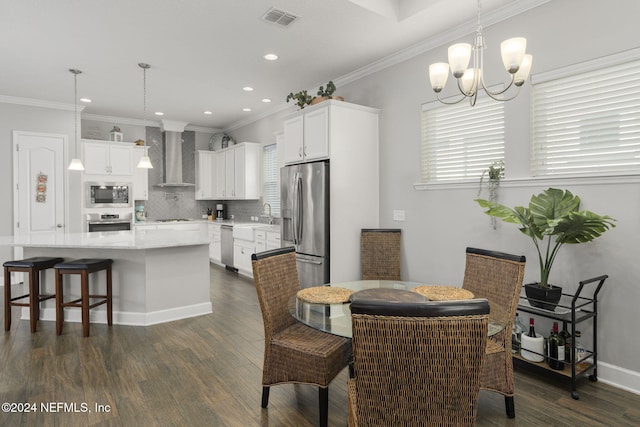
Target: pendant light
[
  {"x": 76, "y": 163},
  {"x": 145, "y": 162}
]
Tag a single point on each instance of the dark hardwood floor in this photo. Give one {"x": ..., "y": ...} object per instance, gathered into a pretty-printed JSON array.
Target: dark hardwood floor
[{"x": 206, "y": 371}]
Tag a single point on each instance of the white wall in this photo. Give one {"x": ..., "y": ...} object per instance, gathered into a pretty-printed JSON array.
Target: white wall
[
  {"x": 441, "y": 223},
  {"x": 15, "y": 117}
]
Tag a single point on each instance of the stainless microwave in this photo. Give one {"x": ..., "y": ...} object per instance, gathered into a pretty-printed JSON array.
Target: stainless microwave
[{"x": 109, "y": 194}]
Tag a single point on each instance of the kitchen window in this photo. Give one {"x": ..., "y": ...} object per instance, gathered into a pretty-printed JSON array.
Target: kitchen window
[
  {"x": 459, "y": 142},
  {"x": 587, "y": 123},
  {"x": 271, "y": 178}
]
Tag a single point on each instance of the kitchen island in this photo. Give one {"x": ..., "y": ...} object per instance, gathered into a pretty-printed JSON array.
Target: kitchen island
[{"x": 158, "y": 275}]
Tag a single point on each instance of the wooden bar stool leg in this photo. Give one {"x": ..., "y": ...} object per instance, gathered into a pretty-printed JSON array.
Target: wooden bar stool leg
[
  {"x": 85, "y": 302},
  {"x": 34, "y": 298},
  {"x": 59, "y": 312},
  {"x": 7, "y": 299},
  {"x": 109, "y": 298}
]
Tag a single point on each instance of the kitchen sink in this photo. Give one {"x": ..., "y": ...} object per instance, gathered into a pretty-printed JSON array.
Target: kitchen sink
[{"x": 243, "y": 232}]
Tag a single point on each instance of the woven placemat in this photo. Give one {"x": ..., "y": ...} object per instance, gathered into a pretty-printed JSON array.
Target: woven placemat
[
  {"x": 443, "y": 293},
  {"x": 325, "y": 295}
]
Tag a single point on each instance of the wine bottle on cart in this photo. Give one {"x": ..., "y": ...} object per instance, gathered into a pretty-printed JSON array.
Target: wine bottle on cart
[
  {"x": 556, "y": 349},
  {"x": 532, "y": 329}
]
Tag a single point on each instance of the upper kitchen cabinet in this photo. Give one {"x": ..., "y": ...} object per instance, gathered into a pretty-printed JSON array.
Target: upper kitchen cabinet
[
  {"x": 307, "y": 136},
  {"x": 237, "y": 172},
  {"x": 310, "y": 134},
  {"x": 107, "y": 158},
  {"x": 140, "y": 175},
  {"x": 205, "y": 175}
]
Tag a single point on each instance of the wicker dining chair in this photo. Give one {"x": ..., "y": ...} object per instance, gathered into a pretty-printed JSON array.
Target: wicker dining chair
[
  {"x": 380, "y": 254},
  {"x": 416, "y": 363},
  {"x": 497, "y": 276},
  {"x": 293, "y": 353}
]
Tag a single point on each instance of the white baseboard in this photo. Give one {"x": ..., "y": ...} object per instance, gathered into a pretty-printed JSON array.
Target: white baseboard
[
  {"x": 126, "y": 318},
  {"x": 619, "y": 377}
]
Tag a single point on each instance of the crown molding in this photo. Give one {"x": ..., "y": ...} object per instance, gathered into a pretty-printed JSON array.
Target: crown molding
[
  {"x": 255, "y": 118},
  {"x": 137, "y": 122},
  {"x": 453, "y": 34},
  {"x": 6, "y": 99},
  {"x": 489, "y": 18}
]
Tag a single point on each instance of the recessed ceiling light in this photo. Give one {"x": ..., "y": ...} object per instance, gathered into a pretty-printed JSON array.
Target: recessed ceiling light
[
  {"x": 270, "y": 57},
  {"x": 159, "y": 113},
  {"x": 208, "y": 113},
  {"x": 246, "y": 110},
  {"x": 266, "y": 100},
  {"x": 247, "y": 89},
  {"x": 87, "y": 100}
]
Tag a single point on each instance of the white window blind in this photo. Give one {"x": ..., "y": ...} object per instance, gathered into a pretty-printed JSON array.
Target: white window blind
[
  {"x": 271, "y": 178},
  {"x": 459, "y": 142},
  {"x": 587, "y": 123}
]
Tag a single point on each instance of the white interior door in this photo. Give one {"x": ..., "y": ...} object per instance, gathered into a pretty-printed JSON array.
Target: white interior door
[{"x": 38, "y": 166}]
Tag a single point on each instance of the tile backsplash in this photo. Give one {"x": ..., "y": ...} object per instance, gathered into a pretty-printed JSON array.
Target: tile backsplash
[{"x": 180, "y": 202}]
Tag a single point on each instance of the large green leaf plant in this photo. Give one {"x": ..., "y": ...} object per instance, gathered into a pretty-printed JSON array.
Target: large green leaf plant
[{"x": 552, "y": 219}]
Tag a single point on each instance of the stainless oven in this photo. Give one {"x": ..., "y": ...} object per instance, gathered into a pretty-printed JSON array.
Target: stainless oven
[
  {"x": 108, "y": 194},
  {"x": 108, "y": 222}
]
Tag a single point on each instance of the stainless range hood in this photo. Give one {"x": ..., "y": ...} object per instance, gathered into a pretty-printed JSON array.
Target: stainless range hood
[{"x": 172, "y": 154}]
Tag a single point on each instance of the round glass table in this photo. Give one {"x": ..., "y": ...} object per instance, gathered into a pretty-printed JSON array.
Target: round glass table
[{"x": 335, "y": 318}]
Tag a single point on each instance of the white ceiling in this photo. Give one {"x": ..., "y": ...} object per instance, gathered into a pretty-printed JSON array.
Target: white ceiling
[{"x": 203, "y": 52}]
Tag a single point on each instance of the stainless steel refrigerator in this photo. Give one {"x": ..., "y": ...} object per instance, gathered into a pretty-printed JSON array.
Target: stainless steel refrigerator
[{"x": 304, "y": 198}]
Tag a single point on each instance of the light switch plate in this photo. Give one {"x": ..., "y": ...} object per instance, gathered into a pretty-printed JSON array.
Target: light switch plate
[{"x": 398, "y": 215}]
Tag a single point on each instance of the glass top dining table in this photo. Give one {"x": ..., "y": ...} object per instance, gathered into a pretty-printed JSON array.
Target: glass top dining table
[{"x": 335, "y": 318}]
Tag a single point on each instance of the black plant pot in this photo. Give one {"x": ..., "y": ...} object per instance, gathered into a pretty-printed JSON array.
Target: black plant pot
[{"x": 545, "y": 298}]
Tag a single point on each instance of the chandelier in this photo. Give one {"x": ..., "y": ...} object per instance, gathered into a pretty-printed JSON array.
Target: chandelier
[
  {"x": 76, "y": 163},
  {"x": 471, "y": 80},
  {"x": 145, "y": 161}
]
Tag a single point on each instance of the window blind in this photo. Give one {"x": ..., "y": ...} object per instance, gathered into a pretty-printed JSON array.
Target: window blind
[
  {"x": 588, "y": 123},
  {"x": 459, "y": 142},
  {"x": 271, "y": 178}
]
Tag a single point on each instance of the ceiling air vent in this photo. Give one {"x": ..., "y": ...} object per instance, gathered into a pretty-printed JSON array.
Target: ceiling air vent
[{"x": 280, "y": 17}]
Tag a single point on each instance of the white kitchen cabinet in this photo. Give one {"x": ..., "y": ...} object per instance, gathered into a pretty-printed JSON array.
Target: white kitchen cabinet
[
  {"x": 238, "y": 172},
  {"x": 140, "y": 175},
  {"x": 306, "y": 136},
  {"x": 347, "y": 135},
  {"x": 260, "y": 241},
  {"x": 107, "y": 158},
  {"x": 242, "y": 251},
  {"x": 273, "y": 240},
  {"x": 205, "y": 175},
  {"x": 219, "y": 176},
  {"x": 215, "y": 247}
]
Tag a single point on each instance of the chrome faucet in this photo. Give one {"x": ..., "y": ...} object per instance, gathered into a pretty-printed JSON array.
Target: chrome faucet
[{"x": 267, "y": 205}]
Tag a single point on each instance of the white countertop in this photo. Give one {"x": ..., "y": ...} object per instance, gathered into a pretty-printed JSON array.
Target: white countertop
[{"x": 140, "y": 239}]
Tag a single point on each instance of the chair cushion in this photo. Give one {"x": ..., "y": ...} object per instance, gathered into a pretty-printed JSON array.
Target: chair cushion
[
  {"x": 85, "y": 264},
  {"x": 37, "y": 262}
]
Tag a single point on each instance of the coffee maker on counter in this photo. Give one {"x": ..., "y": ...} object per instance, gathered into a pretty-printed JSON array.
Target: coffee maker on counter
[{"x": 221, "y": 211}]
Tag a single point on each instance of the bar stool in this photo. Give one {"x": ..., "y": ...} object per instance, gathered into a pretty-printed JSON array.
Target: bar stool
[
  {"x": 83, "y": 267},
  {"x": 33, "y": 266}
]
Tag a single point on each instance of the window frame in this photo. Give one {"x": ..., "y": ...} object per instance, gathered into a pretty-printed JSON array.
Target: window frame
[
  {"x": 538, "y": 82},
  {"x": 474, "y": 173},
  {"x": 271, "y": 184}
]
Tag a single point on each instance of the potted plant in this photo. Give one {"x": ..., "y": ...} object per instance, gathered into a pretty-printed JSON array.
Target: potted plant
[
  {"x": 495, "y": 173},
  {"x": 326, "y": 93},
  {"x": 302, "y": 98},
  {"x": 552, "y": 219}
]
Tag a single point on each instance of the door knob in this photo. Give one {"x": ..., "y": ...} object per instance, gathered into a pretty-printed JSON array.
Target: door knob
[{"x": 59, "y": 225}]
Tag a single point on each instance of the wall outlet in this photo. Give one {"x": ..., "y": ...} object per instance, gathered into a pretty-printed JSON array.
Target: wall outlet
[
  {"x": 204, "y": 216},
  {"x": 398, "y": 215}
]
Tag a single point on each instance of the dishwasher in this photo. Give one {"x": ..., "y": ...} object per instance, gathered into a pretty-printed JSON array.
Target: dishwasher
[{"x": 226, "y": 246}]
